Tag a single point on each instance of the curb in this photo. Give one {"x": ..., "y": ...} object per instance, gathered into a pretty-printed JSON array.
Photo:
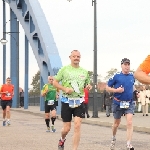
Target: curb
[{"x": 91, "y": 122}]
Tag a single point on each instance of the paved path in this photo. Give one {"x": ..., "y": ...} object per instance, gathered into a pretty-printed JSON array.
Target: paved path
[
  {"x": 27, "y": 132},
  {"x": 141, "y": 123}
]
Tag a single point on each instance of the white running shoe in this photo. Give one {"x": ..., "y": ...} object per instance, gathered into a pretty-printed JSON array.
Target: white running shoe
[
  {"x": 130, "y": 147},
  {"x": 112, "y": 145},
  {"x": 8, "y": 123}
]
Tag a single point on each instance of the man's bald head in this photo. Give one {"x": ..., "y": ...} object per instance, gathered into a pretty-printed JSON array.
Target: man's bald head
[
  {"x": 75, "y": 57},
  {"x": 50, "y": 79},
  {"x": 74, "y": 51}
]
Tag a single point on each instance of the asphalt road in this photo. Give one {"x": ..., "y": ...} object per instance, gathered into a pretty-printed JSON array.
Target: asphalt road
[{"x": 28, "y": 132}]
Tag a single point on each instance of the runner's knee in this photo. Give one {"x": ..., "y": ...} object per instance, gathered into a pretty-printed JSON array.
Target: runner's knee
[
  {"x": 54, "y": 113},
  {"x": 116, "y": 123},
  {"x": 66, "y": 128},
  {"x": 77, "y": 125},
  {"x": 46, "y": 115},
  {"x": 129, "y": 123}
]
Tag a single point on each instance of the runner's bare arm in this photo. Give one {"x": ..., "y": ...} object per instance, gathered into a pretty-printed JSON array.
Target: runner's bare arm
[
  {"x": 57, "y": 94},
  {"x": 117, "y": 90},
  {"x": 3, "y": 92},
  {"x": 13, "y": 92},
  {"x": 110, "y": 89},
  {"x": 44, "y": 92},
  {"x": 141, "y": 76},
  {"x": 58, "y": 86}
]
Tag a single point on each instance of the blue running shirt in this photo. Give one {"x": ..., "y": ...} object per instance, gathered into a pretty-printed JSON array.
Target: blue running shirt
[{"x": 127, "y": 82}]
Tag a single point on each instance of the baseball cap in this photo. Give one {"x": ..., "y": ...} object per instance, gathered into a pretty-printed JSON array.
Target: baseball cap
[{"x": 125, "y": 60}]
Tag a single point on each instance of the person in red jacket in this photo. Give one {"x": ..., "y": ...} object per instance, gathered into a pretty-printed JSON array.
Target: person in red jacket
[
  {"x": 7, "y": 93},
  {"x": 86, "y": 101}
]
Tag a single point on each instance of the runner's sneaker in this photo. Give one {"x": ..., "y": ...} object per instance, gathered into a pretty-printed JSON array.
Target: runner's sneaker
[
  {"x": 130, "y": 147},
  {"x": 53, "y": 129},
  {"x": 61, "y": 145},
  {"x": 48, "y": 129},
  {"x": 112, "y": 145},
  {"x": 4, "y": 123},
  {"x": 8, "y": 123}
]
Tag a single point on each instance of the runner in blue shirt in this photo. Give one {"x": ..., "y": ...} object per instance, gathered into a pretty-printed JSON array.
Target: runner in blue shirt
[{"x": 122, "y": 85}]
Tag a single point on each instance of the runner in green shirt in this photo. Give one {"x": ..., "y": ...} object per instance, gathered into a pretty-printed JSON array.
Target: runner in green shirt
[
  {"x": 51, "y": 95},
  {"x": 73, "y": 80}
]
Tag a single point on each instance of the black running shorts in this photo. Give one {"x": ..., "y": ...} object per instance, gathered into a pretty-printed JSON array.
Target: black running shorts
[
  {"x": 49, "y": 108},
  {"x": 5, "y": 103},
  {"x": 67, "y": 112}
]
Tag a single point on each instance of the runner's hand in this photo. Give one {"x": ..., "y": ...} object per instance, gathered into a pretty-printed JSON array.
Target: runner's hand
[
  {"x": 120, "y": 89},
  {"x": 69, "y": 90},
  {"x": 57, "y": 96}
]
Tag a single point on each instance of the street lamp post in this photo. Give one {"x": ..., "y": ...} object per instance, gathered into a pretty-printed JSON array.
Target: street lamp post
[
  {"x": 95, "y": 99},
  {"x": 4, "y": 40}
]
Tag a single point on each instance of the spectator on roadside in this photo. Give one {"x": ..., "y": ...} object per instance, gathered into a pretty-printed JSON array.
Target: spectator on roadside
[
  {"x": 86, "y": 101},
  {"x": 135, "y": 99},
  {"x": 144, "y": 99},
  {"x": 22, "y": 99},
  {"x": 107, "y": 102}
]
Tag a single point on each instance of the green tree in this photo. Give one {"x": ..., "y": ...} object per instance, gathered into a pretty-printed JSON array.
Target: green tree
[
  {"x": 110, "y": 73},
  {"x": 35, "y": 84},
  {"x": 91, "y": 75}
]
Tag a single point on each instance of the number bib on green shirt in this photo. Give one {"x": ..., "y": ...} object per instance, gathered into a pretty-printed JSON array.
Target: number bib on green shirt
[{"x": 50, "y": 102}]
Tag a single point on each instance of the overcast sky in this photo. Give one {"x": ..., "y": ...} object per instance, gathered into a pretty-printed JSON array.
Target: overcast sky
[{"x": 123, "y": 31}]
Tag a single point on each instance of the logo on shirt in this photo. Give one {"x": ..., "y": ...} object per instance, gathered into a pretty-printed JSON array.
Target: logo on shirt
[{"x": 82, "y": 76}]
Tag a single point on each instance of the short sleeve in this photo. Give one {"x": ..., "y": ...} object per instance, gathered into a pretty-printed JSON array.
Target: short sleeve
[
  {"x": 44, "y": 87},
  {"x": 59, "y": 75},
  {"x": 111, "y": 81},
  {"x": 145, "y": 66}
]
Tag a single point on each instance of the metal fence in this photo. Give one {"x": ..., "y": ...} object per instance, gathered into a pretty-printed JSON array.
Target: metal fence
[
  {"x": 99, "y": 102},
  {"x": 35, "y": 101}
]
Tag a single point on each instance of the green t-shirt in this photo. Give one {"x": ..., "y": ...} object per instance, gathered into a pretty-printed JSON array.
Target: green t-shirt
[
  {"x": 51, "y": 94},
  {"x": 75, "y": 78}
]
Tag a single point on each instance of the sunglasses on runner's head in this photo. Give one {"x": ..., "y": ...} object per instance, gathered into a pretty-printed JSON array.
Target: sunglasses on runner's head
[{"x": 50, "y": 79}]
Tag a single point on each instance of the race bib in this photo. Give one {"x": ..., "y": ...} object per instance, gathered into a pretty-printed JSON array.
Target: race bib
[
  {"x": 50, "y": 102},
  {"x": 8, "y": 95},
  {"x": 74, "y": 102},
  {"x": 124, "y": 104}
]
